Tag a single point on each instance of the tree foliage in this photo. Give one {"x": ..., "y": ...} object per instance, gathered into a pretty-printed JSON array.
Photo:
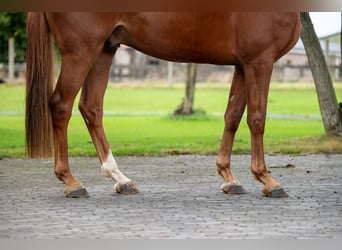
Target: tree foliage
[{"x": 13, "y": 24}]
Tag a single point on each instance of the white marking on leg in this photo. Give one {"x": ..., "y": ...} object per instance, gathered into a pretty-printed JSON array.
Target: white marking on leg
[{"x": 111, "y": 170}]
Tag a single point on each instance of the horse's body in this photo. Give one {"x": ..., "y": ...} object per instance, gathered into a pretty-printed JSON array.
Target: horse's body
[{"x": 88, "y": 41}]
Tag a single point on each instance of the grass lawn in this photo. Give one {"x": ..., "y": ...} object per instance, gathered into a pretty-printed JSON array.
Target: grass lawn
[{"x": 138, "y": 121}]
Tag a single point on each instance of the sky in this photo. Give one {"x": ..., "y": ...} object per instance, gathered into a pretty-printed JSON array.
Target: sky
[{"x": 326, "y": 23}]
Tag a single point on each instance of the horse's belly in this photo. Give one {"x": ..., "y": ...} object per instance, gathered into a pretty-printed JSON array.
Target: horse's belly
[
  {"x": 188, "y": 54},
  {"x": 197, "y": 37}
]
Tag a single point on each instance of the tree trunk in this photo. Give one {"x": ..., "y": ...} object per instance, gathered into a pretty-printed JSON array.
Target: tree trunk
[
  {"x": 330, "y": 110},
  {"x": 340, "y": 71},
  {"x": 186, "y": 107}
]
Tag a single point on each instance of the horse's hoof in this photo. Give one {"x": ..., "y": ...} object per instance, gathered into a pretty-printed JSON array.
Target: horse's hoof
[
  {"x": 233, "y": 188},
  {"x": 128, "y": 188},
  {"x": 276, "y": 192},
  {"x": 78, "y": 192}
]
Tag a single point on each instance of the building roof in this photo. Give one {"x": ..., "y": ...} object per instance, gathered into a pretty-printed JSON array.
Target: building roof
[{"x": 334, "y": 44}]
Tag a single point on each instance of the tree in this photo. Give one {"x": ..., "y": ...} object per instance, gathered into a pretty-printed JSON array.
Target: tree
[
  {"x": 186, "y": 106},
  {"x": 13, "y": 25},
  {"x": 330, "y": 109},
  {"x": 340, "y": 73}
]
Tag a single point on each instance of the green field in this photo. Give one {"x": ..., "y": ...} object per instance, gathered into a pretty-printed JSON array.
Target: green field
[{"x": 138, "y": 121}]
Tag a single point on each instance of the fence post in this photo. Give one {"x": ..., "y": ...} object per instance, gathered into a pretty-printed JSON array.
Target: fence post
[
  {"x": 11, "y": 56},
  {"x": 170, "y": 73}
]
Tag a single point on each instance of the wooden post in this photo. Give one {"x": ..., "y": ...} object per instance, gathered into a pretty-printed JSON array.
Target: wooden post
[
  {"x": 170, "y": 73},
  {"x": 11, "y": 56}
]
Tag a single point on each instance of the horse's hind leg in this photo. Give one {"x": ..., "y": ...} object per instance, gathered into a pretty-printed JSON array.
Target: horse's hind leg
[
  {"x": 232, "y": 117},
  {"x": 258, "y": 76},
  {"x": 74, "y": 68},
  {"x": 61, "y": 104},
  {"x": 91, "y": 107}
]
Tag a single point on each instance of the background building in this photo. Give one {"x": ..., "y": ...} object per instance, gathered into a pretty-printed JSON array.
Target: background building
[{"x": 130, "y": 64}]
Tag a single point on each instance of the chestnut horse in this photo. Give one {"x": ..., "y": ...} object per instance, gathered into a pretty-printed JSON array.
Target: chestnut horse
[{"x": 87, "y": 43}]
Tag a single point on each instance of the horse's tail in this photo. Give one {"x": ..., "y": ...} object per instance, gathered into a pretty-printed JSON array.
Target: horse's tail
[{"x": 39, "y": 87}]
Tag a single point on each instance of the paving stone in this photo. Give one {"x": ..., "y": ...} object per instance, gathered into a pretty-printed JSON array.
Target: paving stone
[{"x": 179, "y": 197}]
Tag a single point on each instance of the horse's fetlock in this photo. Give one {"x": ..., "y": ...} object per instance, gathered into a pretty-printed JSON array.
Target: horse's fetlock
[
  {"x": 222, "y": 164},
  {"x": 259, "y": 175},
  {"x": 60, "y": 175}
]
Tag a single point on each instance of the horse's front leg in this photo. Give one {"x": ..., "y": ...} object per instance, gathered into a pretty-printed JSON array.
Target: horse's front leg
[
  {"x": 258, "y": 77},
  {"x": 232, "y": 117},
  {"x": 91, "y": 107}
]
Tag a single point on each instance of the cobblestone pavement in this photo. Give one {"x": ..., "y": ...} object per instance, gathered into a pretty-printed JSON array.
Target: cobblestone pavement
[{"x": 179, "y": 197}]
